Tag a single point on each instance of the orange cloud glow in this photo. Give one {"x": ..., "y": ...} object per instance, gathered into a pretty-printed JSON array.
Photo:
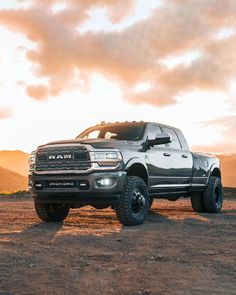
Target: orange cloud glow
[
  {"x": 39, "y": 92},
  {"x": 134, "y": 54},
  {"x": 226, "y": 125},
  {"x": 5, "y": 113}
]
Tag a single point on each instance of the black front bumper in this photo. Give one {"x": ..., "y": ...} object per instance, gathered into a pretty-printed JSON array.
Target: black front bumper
[{"x": 77, "y": 195}]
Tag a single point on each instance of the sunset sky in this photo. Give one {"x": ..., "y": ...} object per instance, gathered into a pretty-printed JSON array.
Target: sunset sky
[{"x": 66, "y": 65}]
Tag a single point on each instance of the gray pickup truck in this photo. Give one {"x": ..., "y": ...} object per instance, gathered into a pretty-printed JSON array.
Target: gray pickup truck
[{"x": 122, "y": 165}]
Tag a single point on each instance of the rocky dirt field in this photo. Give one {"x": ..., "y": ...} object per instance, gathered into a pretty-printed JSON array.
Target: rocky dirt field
[{"x": 176, "y": 251}]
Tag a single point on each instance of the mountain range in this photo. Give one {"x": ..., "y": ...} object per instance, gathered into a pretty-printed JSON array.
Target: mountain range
[
  {"x": 13, "y": 171},
  {"x": 11, "y": 181}
]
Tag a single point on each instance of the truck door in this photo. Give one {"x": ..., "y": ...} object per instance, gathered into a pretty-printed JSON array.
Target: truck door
[
  {"x": 159, "y": 163},
  {"x": 181, "y": 160}
]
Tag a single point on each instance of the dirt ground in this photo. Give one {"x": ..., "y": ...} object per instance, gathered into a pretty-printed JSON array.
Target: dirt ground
[{"x": 176, "y": 251}]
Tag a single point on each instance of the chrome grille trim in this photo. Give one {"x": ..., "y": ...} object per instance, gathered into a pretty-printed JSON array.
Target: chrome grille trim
[{"x": 81, "y": 160}]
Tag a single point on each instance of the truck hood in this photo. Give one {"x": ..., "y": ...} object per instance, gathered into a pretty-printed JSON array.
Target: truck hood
[{"x": 95, "y": 143}]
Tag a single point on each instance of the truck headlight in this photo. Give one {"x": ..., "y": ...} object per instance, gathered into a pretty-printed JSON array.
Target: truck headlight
[
  {"x": 32, "y": 160},
  {"x": 106, "y": 158}
]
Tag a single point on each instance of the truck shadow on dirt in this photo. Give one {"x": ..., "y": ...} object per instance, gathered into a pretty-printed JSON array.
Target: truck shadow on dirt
[{"x": 89, "y": 222}]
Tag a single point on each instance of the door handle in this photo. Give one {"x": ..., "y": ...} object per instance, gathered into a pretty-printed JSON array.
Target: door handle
[
  {"x": 184, "y": 156},
  {"x": 167, "y": 154}
]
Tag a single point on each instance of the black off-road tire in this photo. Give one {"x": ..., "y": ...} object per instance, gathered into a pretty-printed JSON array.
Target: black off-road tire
[
  {"x": 197, "y": 202},
  {"x": 213, "y": 195},
  {"x": 125, "y": 211},
  {"x": 51, "y": 212}
]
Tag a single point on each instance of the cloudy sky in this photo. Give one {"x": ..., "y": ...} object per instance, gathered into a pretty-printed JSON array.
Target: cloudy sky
[{"x": 66, "y": 65}]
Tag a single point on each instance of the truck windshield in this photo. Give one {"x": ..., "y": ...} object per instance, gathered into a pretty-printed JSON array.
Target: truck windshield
[{"x": 116, "y": 132}]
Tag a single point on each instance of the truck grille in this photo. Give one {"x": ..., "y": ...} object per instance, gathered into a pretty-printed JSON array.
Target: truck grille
[{"x": 63, "y": 159}]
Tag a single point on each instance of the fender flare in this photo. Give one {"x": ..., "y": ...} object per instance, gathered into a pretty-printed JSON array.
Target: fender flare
[
  {"x": 136, "y": 161},
  {"x": 213, "y": 166}
]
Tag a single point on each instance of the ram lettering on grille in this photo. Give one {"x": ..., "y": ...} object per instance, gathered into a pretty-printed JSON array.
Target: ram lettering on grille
[{"x": 58, "y": 159}]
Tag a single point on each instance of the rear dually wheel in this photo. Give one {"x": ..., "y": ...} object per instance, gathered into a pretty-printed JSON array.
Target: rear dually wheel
[{"x": 211, "y": 200}]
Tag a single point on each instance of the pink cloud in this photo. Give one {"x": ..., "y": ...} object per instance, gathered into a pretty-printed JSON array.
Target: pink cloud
[
  {"x": 5, "y": 113},
  {"x": 133, "y": 55}
]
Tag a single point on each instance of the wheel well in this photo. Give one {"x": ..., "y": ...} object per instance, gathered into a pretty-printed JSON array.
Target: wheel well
[
  {"x": 138, "y": 170},
  {"x": 216, "y": 172}
]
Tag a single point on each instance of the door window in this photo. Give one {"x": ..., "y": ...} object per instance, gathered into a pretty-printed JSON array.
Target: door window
[{"x": 175, "y": 143}]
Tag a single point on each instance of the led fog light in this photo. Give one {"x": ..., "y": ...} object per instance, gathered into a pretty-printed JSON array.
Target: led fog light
[
  {"x": 38, "y": 185},
  {"x": 105, "y": 182}
]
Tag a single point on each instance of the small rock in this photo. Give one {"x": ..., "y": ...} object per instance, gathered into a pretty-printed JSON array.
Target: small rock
[{"x": 32, "y": 265}]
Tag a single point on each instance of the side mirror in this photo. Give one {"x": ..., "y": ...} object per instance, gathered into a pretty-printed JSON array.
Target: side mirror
[{"x": 162, "y": 138}]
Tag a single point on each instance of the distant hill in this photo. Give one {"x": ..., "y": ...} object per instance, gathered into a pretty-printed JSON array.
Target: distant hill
[
  {"x": 16, "y": 161},
  {"x": 11, "y": 181},
  {"x": 228, "y": 168}
]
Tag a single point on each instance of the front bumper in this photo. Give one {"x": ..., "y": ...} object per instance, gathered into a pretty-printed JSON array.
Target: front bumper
[{"x": 77, "y": 195}]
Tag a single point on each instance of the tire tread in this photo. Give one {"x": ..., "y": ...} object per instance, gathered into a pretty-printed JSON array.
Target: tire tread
[
  {"x": 197, "y": 203},
  {"x": 44, "y": 215},
  {"x": 208, "y": 196},
  {"x": 123, "y": 210}
]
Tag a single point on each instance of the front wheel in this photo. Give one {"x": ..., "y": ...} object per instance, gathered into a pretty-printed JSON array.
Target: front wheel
[
  {"x": 51, "y": 212},
  {"x": 134, "y": 202}
]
